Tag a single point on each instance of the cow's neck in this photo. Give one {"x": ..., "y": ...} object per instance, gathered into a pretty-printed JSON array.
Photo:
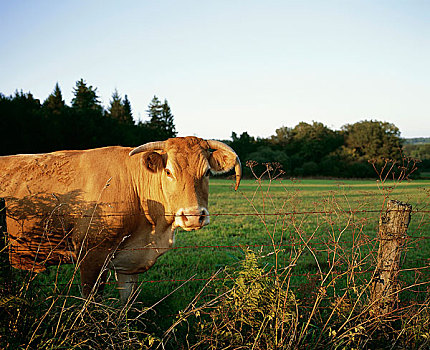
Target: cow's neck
[
  {"x": 140, "y": 251},
  {"x": 152, "y": 199}
]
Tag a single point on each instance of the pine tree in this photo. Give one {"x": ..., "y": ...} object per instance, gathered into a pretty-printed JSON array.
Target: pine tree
[
  {"x": 128, "y": 117},
  {"x": 119, "y": 109},
  {"x": 55, "y": 103},
  {"x": 116, "y": 109},
  {"x": 161, "y": 119},
  {"x": 86, "y": 98},
  {"x": 154, "y": 111},
  {"x": 167, "y": 118}
]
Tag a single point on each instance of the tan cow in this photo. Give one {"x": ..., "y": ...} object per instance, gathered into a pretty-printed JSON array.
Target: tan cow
[{"x": 108, "y": 208}]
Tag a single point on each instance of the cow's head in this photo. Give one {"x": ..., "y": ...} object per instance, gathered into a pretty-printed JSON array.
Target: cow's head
[{"x": 182, "y": 167}]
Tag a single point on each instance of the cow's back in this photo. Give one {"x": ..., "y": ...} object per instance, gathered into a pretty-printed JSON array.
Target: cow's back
[{"x": 56, "y": 201}]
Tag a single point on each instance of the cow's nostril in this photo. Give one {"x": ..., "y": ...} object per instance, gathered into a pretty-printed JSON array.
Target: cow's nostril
[
  {"x": 192, "y": 218},
  {"x": 202, "y": 217},
  {"x": 184, "y": 217}
]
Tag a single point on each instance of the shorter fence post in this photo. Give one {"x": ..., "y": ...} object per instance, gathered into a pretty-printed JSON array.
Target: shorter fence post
[
  {"x": 393, "y": 225},
  {"x": 5, "y": 268},
  {"x": 4, "y": 257}
]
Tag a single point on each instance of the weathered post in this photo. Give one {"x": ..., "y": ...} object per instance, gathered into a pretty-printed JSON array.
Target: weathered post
[
  {"x": 393, "y": 225},
  {"x": 5, "y": 269},
  {"x": 4, "y": 260}
]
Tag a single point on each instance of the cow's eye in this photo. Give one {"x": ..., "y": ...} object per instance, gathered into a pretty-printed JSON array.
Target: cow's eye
[{"x": 168, "y": 173}]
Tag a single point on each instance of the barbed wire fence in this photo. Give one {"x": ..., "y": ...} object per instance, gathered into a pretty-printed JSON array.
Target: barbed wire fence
[
  {"x": 313, "y": 245},
  {"x": 356, "y": 256}
]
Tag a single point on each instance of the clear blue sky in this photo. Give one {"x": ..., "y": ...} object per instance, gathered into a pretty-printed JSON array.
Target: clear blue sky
[{"x": 229, "y": 65}]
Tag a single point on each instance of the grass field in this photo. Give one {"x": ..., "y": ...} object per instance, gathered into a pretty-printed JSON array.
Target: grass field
[
  {"x": 318, "y": 225},
  {"x": 305, "y": 196}
]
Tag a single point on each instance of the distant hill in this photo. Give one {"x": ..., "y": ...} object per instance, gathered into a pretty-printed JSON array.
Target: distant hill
[{"x": 417, "y": 141}]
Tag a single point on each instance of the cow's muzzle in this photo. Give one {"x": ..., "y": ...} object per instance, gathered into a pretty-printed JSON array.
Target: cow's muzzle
[{"x": 192, "y": 218}]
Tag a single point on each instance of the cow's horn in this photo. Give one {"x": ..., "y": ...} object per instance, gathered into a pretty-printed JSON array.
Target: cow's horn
[
  {"x": 237, "y": 166},
  {"x": 150, "y": 146}
]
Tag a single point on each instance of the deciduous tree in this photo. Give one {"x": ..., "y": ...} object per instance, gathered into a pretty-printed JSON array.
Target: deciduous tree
[
  {"x": 307, "y": 142},
  {"x": 371, "y": 139}
]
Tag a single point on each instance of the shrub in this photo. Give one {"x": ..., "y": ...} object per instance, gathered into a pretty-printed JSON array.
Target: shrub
[{"x": 254, "y": 311}]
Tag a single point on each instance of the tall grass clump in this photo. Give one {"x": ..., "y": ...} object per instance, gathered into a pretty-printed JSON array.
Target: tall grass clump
[
  {"x": 252, "y": 310},
  {"x": 58, "y": 319}
]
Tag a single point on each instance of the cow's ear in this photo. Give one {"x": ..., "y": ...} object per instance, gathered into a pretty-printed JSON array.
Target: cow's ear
[
  {"x": 153, "y": 161},
  {"x": 222, "y": 161}
]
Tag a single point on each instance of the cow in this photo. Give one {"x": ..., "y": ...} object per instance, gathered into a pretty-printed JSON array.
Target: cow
[{"x": 111, "y": 208}]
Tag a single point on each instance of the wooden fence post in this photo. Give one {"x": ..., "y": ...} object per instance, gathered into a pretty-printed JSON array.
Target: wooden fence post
[
  {"x": 4, "y": 257},
  {"x": 5, "y": 268},
  {"x": 393, "y": 225}
]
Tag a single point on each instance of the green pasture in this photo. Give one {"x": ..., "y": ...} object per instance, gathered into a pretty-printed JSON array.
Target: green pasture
[
  {"x": 301, "y": 197},
  {"x": 323, "y": 222}
]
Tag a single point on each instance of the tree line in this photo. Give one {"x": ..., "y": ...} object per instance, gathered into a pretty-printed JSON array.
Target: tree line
[
  {"x": 308, "y": 149},
  {"x": 29, "y": 126},
  {"x": 420, "y": 151},
  {"x": 316, "y": 150}
]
